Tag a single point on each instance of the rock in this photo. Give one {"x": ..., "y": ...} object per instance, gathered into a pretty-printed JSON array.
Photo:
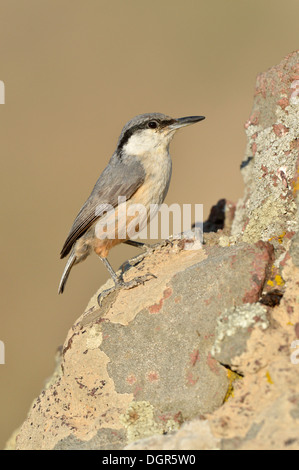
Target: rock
[
  {"x": 141, "y": 364},
  {"x": 263, "y": 410},
  {"x": 195, "y": 435},
  {"x": 270, "y": 168},
  {"x": 294, "y": 249},
  {"x": 234, "y": 328}
]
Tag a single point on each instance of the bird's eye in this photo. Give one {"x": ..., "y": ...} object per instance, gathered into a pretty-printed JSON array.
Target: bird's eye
[{"x": 153, "y": 124}]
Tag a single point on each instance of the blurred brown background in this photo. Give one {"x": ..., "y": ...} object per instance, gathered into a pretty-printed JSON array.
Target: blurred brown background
[{"x": 75, "y": 71}]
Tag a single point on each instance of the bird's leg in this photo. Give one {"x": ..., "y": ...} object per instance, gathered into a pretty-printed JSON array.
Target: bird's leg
[
  {"x": 110, "y": 269},
  {"x": 119, "y": 281}
]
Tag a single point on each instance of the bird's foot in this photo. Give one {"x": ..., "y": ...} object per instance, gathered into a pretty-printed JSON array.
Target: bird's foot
[
  {"x": 167, "y": 241},
  {"x": 121, "y": 284},
  {"x": 105, "y": 294}
]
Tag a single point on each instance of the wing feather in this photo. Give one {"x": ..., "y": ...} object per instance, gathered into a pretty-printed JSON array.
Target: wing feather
[{"x": 122, "y": 177}]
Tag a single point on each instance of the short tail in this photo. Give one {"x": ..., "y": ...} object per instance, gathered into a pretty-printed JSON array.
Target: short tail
[{"x": 70, "y": 263}]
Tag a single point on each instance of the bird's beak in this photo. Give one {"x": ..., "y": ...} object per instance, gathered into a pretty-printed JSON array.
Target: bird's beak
[{"x": 185, "y": 121}]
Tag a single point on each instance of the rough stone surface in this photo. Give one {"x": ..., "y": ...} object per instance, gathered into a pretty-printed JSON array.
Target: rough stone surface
[
  {"x": 141, "y": 364},
  {"x": 206, "y": 355},
  {"x": 263, "y": 411},
  {"x": 196, "y": 435},
  {"x": 234, "y": 328},
  {"x": 269, "y": 207}
]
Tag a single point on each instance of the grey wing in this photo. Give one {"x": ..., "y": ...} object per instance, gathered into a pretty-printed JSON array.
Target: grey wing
[{"x": 120, "y": 178}]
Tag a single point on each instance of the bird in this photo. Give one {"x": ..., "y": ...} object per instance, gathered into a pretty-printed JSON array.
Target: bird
[{"x": 138, "y": 172}]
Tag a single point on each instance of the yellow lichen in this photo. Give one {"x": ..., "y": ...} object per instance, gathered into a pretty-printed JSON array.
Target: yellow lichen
[
  {"x": 269, "y": 379},
  {"x": 279, "y": 238},
  {"x": 232, "y": 376},
  {"x": 296, "y": 185},
  {"x": 276, "y": 279},
  {"x": 279, "y": 281}
]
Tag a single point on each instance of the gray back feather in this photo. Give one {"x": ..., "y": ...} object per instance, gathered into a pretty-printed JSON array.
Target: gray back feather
[{"x": 122, "y": 177}]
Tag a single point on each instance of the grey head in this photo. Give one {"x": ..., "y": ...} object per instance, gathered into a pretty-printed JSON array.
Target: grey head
[{"x": 147, "y": 131}]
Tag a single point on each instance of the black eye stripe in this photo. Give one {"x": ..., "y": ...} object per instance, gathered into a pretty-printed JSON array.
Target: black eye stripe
[{"x": 129, "y": 132}]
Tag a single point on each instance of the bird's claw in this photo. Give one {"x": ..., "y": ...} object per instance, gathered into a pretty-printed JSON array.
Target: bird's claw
[
  {"x": 104, "y": 294},
  {"x": 136, "y": 281}
]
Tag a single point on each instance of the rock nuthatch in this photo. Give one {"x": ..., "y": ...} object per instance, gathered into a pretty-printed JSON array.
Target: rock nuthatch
[{"x": 139, "y": 171}]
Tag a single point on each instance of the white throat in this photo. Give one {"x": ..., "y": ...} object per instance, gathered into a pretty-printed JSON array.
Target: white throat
[
  {"x": 152, "y": 150},
  {"x": 148, "y": 141}
]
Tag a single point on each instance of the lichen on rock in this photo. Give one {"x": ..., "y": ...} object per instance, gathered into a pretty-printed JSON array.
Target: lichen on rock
[{"x": 234, "y": 327}]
